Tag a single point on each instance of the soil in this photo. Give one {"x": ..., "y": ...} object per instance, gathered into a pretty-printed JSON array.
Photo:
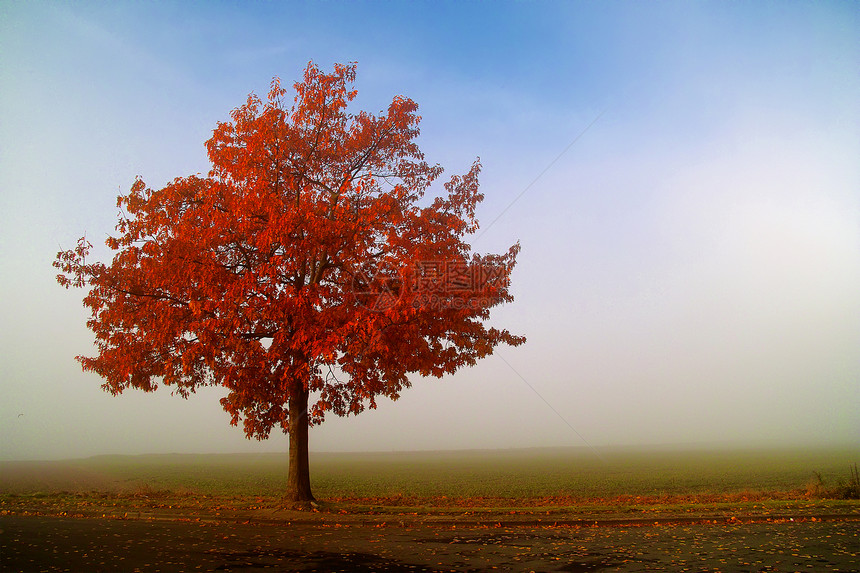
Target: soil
[{"x": 48, "y": 476}]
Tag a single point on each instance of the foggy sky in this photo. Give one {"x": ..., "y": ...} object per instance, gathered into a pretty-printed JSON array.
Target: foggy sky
[{"x": 690, "y": 265}]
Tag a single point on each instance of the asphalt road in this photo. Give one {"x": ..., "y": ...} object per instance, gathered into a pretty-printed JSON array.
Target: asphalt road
[{"x": 113, "y": 545}]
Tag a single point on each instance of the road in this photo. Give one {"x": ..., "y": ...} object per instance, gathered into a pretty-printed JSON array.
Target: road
[{"x": 39, "y": 543}]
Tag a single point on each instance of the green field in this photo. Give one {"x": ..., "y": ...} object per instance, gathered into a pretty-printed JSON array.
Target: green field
[{"x": 570, "y": 473}]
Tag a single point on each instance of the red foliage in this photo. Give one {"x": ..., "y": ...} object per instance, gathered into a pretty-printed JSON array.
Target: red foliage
[{"x": 305, "y": 262}]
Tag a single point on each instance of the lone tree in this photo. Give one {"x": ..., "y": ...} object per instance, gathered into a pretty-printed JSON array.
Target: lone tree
[{"x": 305, "y": 274}]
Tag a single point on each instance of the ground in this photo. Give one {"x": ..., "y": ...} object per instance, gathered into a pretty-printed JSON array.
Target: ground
[
  {"x": 58, "y": 516},
  {"x": 38, "y": 543}
]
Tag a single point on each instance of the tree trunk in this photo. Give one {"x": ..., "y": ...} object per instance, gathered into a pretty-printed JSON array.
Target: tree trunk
[{"x": 299, "y": 477}]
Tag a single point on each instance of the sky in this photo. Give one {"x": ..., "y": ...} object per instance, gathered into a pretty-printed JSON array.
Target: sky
[{"x": 684, "y": 179}]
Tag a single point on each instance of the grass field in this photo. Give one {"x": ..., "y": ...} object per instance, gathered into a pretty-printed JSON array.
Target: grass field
[
  {"x": 514, "y": 510},
  {"x": 561, "y": 474}
]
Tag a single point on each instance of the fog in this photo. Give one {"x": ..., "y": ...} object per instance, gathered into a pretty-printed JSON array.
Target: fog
[{"x": 683, "y": 179}]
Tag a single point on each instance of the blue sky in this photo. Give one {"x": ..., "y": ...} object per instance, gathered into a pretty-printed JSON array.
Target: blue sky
[{"x": 683, "y": 179}]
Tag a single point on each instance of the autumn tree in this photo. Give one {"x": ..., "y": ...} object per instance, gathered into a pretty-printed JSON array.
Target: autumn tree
[{"x": 307, "y": 273}]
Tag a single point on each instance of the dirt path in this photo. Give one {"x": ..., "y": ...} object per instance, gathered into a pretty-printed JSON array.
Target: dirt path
[{"x": 29, "y": 543}]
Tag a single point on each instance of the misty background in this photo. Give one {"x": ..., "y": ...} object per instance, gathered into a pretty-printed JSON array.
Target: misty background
[{"x": 683, "y": 178}]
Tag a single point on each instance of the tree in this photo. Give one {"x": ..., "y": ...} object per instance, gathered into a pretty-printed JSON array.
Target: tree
[{"x": 306, "y": 273}]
